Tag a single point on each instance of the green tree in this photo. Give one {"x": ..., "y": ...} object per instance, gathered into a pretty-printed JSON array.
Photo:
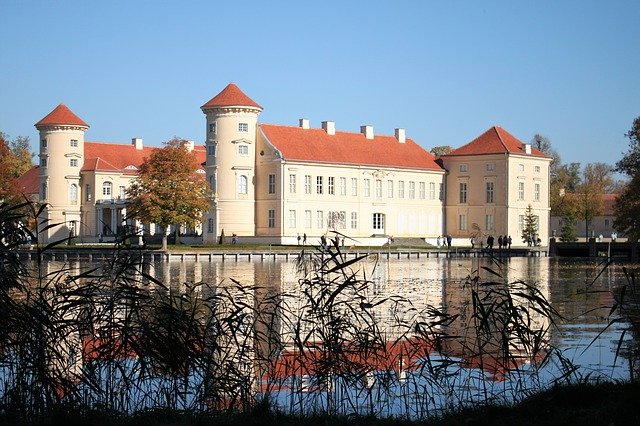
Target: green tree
[
  {"x": 530, "y": 229},
  {"x": 568, "y": 231},
  {"x": 9, "y": 190},
  {"x": 627, "y": 206},
  {"x": 565, "y": 182},
  {"x": 167, "y": 190},
  {"x": 441, "y": 150}
]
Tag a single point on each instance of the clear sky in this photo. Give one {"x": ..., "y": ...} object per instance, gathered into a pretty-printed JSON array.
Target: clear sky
[{"x": 446, "y": 71}]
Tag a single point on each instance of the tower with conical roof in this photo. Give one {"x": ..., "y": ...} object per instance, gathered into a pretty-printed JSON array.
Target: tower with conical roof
[
  {"x": 61, "y": 159},
  {"x": 231, "y": 120}
]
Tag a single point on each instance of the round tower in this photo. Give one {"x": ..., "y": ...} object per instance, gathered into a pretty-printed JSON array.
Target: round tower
[
  {"x": 232, "y": 119},
  {"x": 61, "y": 160}
]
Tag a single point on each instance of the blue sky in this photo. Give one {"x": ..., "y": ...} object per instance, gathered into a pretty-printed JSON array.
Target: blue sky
[{"x": 445, "y": 71}]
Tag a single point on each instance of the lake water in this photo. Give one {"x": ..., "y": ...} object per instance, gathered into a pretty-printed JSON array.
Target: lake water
[{"x": 401, "y": 292}]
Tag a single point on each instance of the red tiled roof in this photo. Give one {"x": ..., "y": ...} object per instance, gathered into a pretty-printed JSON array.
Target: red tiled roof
[
  {"x": 100, "y": 156},
  {"x": 61, "y": 115},
  {"x": 496, "y": 140},
  {"x": 609, "y": 202},
  {"x": 29, "y": 182},
  {"x": 231, "y": 96},
  {"x": 316, "y": 146}
]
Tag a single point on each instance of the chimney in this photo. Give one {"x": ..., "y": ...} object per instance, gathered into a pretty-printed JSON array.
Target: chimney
[
  {"x": 304, "y": 123},
  {"x": 400, "y": 135},
  {"x": 137, "y": 142},
  {"x": 189, "y": 145},
  {"x": 527, "y": 148},
  {"x": 329, "y": 127},
  {"x": 367, "y": 131}
]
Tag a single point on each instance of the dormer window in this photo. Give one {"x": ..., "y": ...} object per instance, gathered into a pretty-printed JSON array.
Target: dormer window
[
  {"x": 131, "y": 167},
  {"x": 243, "y": 127}
]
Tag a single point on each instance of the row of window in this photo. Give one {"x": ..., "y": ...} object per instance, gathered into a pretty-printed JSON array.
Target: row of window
[
  {"x": 489, "y": 192},
  {"x": 243, "y": 150},
  {"x": 73, "y": 143},
  {"x": 242, "y": 127},
  {"x": 490, "y": 167},
  {"x": 489, "y": 222},
  {"x": 331, "y": 186}
]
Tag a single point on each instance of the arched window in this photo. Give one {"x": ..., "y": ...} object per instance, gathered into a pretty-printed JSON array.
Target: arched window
[
  {"x": 106, "y": 190},
  {"x": 242, "y": 184},
  {"x": 73, "y": 194}
]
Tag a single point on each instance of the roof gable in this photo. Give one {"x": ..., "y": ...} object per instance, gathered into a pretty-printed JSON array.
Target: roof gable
[
  {"x": 230, "y": 96},
  {"x": 496, "y": 140},
  {"x": 61, "y": 115},
  {"x": 316, "y": 146}
]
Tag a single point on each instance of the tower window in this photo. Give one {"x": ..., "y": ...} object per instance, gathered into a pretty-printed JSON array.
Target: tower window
[
  {"x": 243, "y": 127},
  {"x": 272, "y": 184},
  {"x": 212, "y": 128},
  {"x": 73, "y": 143},
  {"x": 243, "y": 150},
  {"x": 43, "y": 162},
  {"x": 73, "y": 162},
  {"x": 242, "y": 184},
  {"x": 43, "y": 143},
  {"x": 73, "y": 194},
  {"x": 211, "y": 150}
]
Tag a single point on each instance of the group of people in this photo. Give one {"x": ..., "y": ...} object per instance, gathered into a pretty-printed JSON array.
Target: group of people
[
  {"x": 504, "y": 242},
  {"x": 444, "y": 240}
]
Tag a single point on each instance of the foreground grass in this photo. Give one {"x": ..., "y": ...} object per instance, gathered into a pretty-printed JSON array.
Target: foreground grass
[{"x": 602, "y": 404}]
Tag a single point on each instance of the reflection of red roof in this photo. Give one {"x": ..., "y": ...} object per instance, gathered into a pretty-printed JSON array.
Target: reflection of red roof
[
  {"x": 317, "y": 146},
  {"x": 61, "y": 115},
  {"x": 496, "y": 140},
  {"x": 230, "y": 96},
  {"x": 29, "y": 182},
  {"x": 101, "y": 156}
]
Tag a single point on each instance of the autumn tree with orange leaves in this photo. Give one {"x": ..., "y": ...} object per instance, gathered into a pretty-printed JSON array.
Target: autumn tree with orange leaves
[{"x": 168, "y": 191}]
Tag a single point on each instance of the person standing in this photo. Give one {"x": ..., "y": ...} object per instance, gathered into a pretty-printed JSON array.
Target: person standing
[
  {"x": 500, "y": 242},
  {"x": 449, "y": 241},
  {"x": 304, "y": 239},
  {"x": 438, "y": 242}
]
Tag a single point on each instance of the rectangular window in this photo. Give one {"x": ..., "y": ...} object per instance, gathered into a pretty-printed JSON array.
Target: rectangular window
[
  {"x": 400, "y": 189},
  {"x": 73, "y": 143},
  {"x": 520, "y": 222},
  {"x": 87, "y": 192},
  {"x": 307, "y": 219},
  {"x": 354, "y": 186},
  {"x": 43, "y": 143},
  {"x": 343, "y": 220},
  {"x": 331, "y": 185},
  {"x": 464, "y": 168},
  {"x": 412, "y": 189},
  {"x": 432, "y": 190},
  {"x": 521, "y": 191},
  {"x": 463, "y": 192},
  {"x": 243, "y": 127},
  {"x": 389, "y": 189},
  {"x": 343, "y": 186},
  {"x": 489, "y": 187},
  {"x": 537, "y": 169},
  {"x": 212, "y": 183},
  {"x": 43, "y": 162},
  {"x": 292, "y": 184},
  {"x": 319, "y": 219},
  {"x": 307, "y": 184},
  {"x": 378, "y": 222},
  {"x": 354, "y": 220},
  {"x": 272, "y": 184},
  {"x": 462, "y": 222},
  {"x": 73, "y": 162},
  {"x": 243, "y": 150},
  {"x": 441, "y": 192},
  {"x": 378, "y": 188},
  {"x": 212, "y": 128},
  {"x": 536, "y": 192},
  {"x": 490, "y": 167},
  {"x": 292, "y": 218},
  {"x": 488, "y": 222},
  {"x": 272, "y": 218},
  {"x": 367, "y": 188},
  {"x": 211, "y": 149},
  {"x": 521, "y": 167},
  {"x": 422, "y": 190},
  {"x": 319, "y": 187},
  {"x": 210, "y": 225}
]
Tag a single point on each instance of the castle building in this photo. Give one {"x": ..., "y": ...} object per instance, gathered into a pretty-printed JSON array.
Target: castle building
[{"x": 273, "y": 183}]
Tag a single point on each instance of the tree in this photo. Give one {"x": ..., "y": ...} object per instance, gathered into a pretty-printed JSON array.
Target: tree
[
  {"x": 544, "y": 144},
  {"x": 590, "y": 201},
  {"x": 530, "y": 229},
  {"x": 627, "y": 204},
  {"x": 167, "y": 190},
  {"x": 565, "y": 182},
  {"x": 441, "y": 150},
  {"x": 9, "y": 190},
  {"x": 568, "y": 231}
]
